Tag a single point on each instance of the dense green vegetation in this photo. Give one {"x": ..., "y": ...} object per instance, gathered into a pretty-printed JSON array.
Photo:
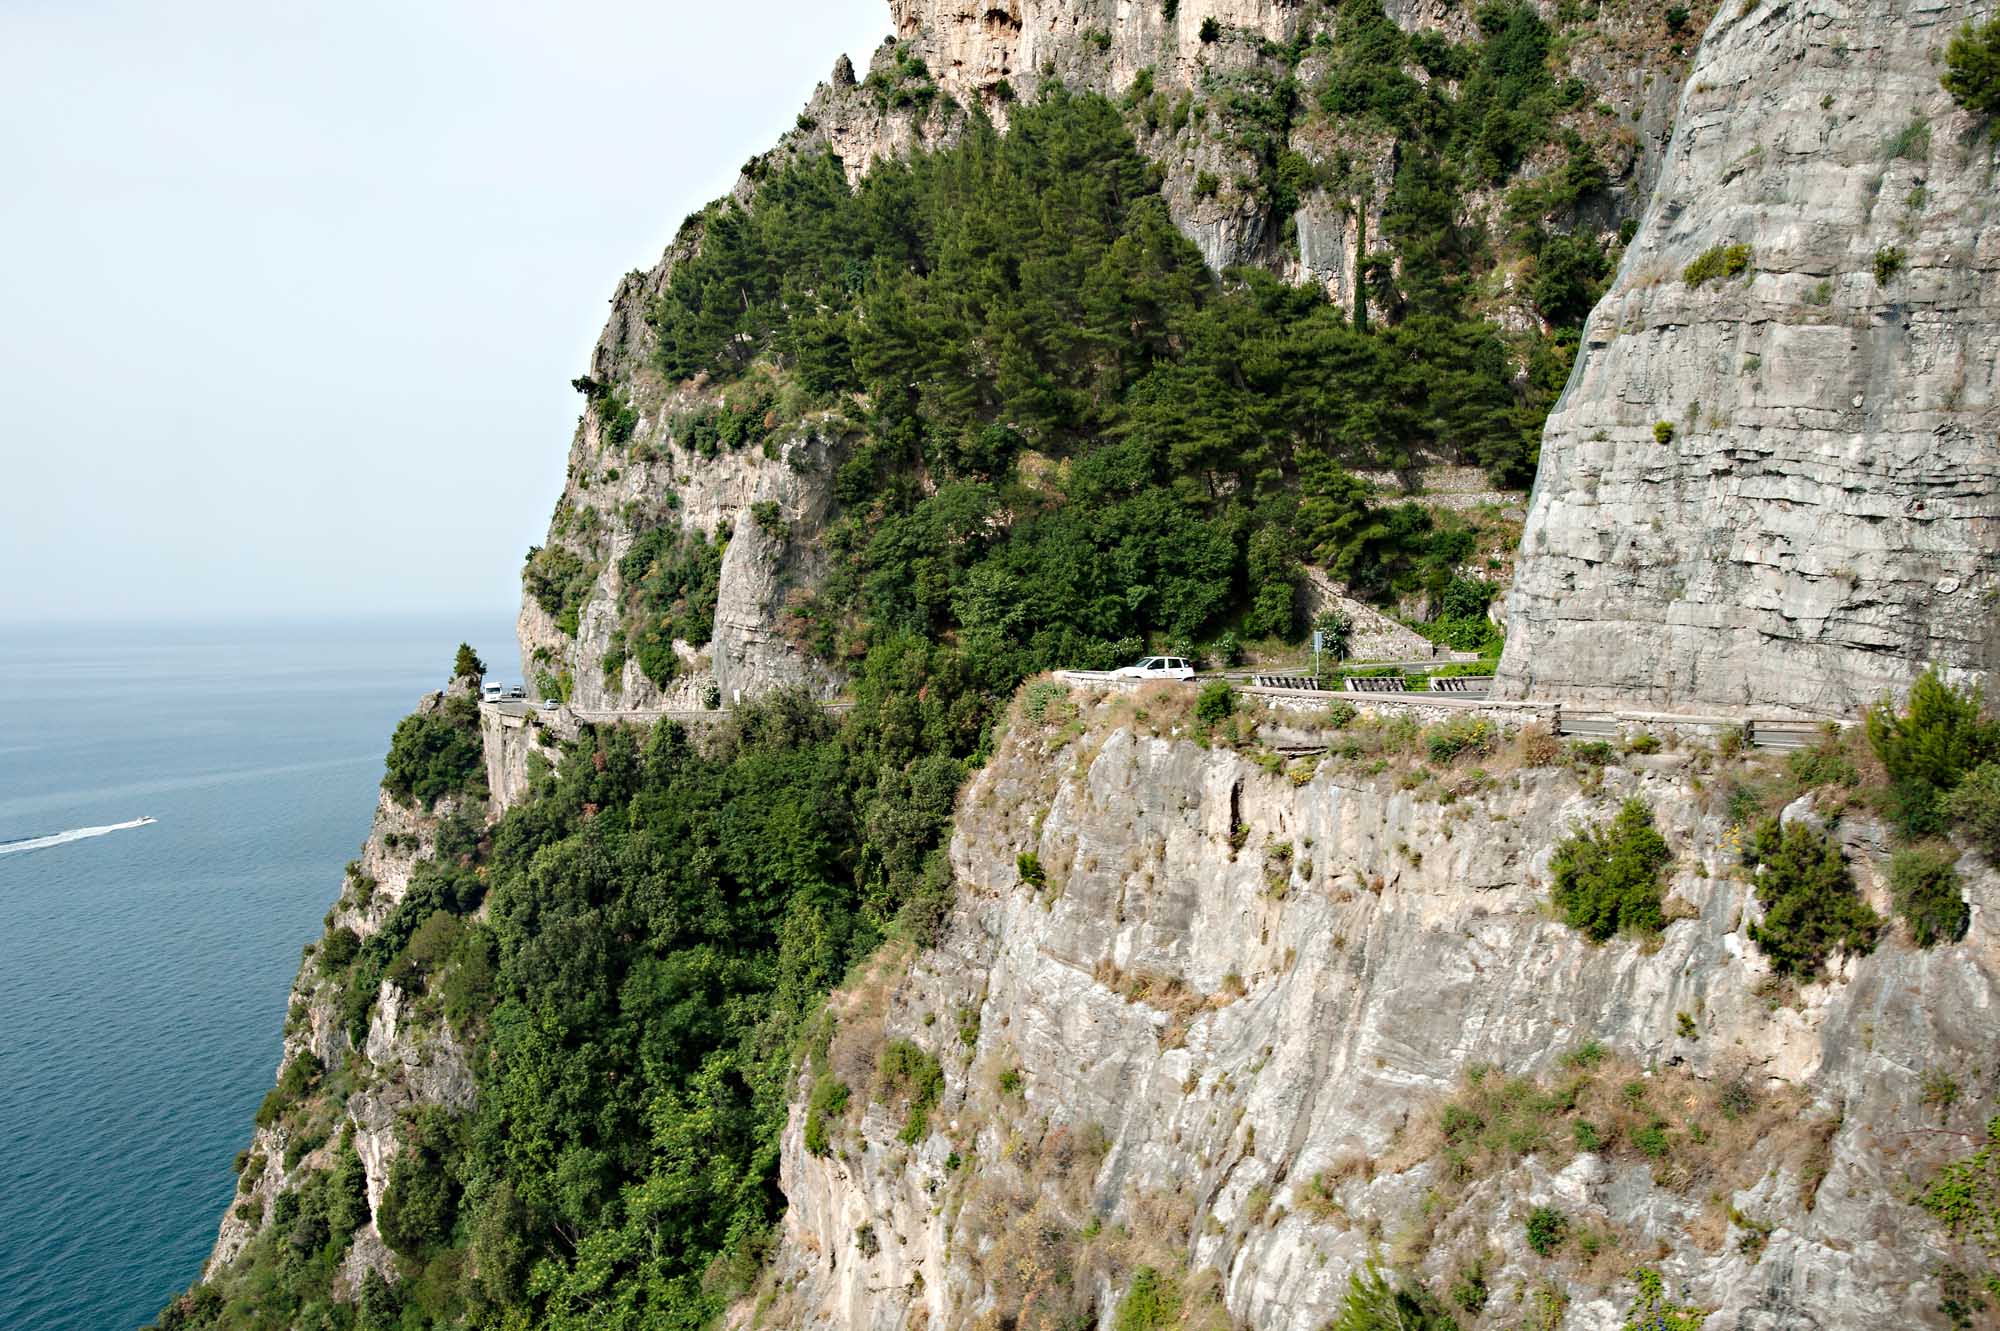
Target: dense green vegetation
[
  {"x": 1025, "y": 298},
  {"x": 670, "y": 578},
  {"x": 1972, "y": 67},
  {"x": 1929, "y": 747},
  {"x": 1925, "y": 885},
  {"x": 1375, "y": 1303},
  {"x": 659, "y": 923},
  {"x": 436, "y": 752},
  {"x": 1607, "y": 880},
  {"x": 1811, "y": 906}
]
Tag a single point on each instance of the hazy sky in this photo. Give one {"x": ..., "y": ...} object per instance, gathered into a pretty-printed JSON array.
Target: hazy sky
[{"x": 291, "y": 294}]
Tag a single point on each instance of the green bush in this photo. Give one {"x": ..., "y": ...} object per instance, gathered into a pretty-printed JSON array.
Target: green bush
[
  {"x": 1824, "y": 764},
  {"x": 435, "y": 753},
  {"x": 1607, "y": 880},
  {"x": 1216, "y": 702},
  {"x": 907, "y": 1072},
  {"x": 1150, "y": 1304},
  {"x": 1974, "y": 808},
  {"x": 338, "y": 949},
  {"x": 1811, "y": 907},
  {"x": 1928, "y": 747},
  {"x": 467, "y": 662},
  {"x": 1663, "y": 432},
  {"x": 1972, "y": 68},
  {"x": 1889, "y": 261},
  {"x": 1211, "y": 30},
  {"x": 1547, "y": 1228},
  {"x": 420, "y": 1203},
  {"x": 560, "y": 581},
  {"x": 1925, "y": 886},
  {"x": 1375, "y": 1304},
  {"x": 1459, "y": 736},
  {"x": 828, "y": 1101},
  {"x": 1717, "y": 261}
]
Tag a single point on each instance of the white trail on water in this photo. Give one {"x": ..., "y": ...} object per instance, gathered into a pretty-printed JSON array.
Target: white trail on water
[{"x": 64, "y": 838}]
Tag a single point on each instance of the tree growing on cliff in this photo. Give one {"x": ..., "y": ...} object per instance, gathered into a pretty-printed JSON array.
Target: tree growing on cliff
[
  {"x": 467, "y": 662},
  {"x": 435, "y": 753},
  {"x": 1972, "y": 68},
  {"x": 1928, "y": 747},
  {"x": 1607, "y": 879},
  {"x": 1811, "y": 907}
]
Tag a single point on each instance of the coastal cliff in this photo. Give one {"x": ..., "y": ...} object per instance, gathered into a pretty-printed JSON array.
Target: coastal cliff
[
  {"x": 843, "y": 969},
  {"x": 1214, "y": 1030}
]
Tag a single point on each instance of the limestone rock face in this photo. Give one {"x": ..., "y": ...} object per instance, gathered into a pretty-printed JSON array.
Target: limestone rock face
[
  {"x": 1780, "y": 489},
  {"x": 408, "y": 1057},
  {"x": 1317, "y": 966}
]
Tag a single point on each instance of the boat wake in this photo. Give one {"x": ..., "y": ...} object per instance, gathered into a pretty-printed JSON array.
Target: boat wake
[{"x": 64, "y": 838}]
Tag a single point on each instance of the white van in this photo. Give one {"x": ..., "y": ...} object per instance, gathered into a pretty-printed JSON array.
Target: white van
[{"x": 492, "y": 692}]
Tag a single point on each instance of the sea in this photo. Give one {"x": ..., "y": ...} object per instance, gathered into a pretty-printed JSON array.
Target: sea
[{"x": 144, "y": 966}]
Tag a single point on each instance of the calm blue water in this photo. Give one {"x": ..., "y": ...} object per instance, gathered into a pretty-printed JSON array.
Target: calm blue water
[{"x": 143, "y": 972}]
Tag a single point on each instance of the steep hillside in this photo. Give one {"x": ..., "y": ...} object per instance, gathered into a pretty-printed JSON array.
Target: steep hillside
[
  {"x": 1068, "y": 331},
  {"x": 1470, "y": 183},
  {"x": 1774, "y": 480},
  {"x": 1253, "y": 1025}
]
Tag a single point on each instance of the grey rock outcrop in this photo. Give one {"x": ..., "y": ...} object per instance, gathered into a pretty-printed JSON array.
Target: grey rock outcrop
[
  {"x": 1781, "y": 489},
  {"x": 1325, "y": 962}
]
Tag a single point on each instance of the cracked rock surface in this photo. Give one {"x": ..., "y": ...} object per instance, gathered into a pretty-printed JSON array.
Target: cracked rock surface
[{"x": 1780, "y": 490}]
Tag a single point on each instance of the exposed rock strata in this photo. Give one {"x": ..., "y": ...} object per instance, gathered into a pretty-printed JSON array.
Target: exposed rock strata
[
  {"x": 1782, "y": 490},
  {"x": 1406, "y": 943}
]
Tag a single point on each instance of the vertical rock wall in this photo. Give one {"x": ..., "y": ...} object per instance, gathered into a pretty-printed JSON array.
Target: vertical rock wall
[{"x": 1780, "y": 489}]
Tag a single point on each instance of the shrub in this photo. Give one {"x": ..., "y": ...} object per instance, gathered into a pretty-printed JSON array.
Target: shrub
[
  {"x": 1151, "y": 1304},
  {"x": 1663, "y": 432},
  {"x": 1547, "y": 1228},
  {"x": 1374, "y": 1304},
  {"x": 1974, "y": 808},
  {"x": 1215, "y": 703},
  {"x": 436, "y": 753},
  {"x": 908, "y": 1072},
  {"x": 1211, "y": 31},
  {"x": 1591, "y": 752},
  {"x": 1965, "y": 1195},
  {"x": 1029, "y": 866},
  {"x": 1824, "y": 764},
  {"x": 827, "y": 1101},
  {"x": 1717, "y": 261},
  {"x": 1608, "y": 880},
  {"x": 1207, "y": 184},
  {"x": 1924, "y": 883},
  {"x": 1460, "y": 735},
  {"x": 560, "y": 581},
  {"x": 1046, "y": 700},
  {"x": 338, "y": 950},
  {"x": 1811, "y": 908},
  {"x": 467, "y": 662},
  {"x": 1888, "y": 262},
  {"x": 421, "y": 1201},
  {"x": 1972, "y": 68},
  {"x": 1336, "y": 632},
  {"x": 1927, "y": 748}
]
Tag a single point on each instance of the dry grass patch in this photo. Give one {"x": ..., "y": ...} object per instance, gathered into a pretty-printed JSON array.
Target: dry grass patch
[
  {"x": 1697, "y": 1137},
  {"x": 1171, "y": 994}
]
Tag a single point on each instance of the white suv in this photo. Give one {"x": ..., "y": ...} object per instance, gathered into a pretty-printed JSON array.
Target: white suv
[{"x": 1156, "y": 667}]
